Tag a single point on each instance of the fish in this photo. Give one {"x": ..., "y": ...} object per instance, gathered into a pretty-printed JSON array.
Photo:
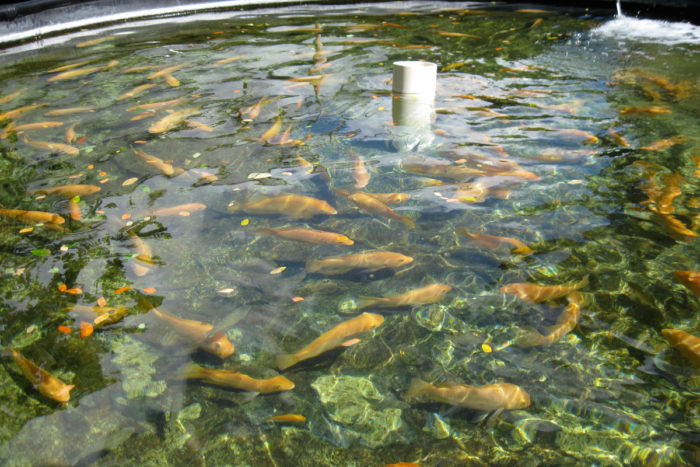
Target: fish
[
  {"x": 198, "y": 333},
  {"x": 174, "y": 210},
  {"x": 534, "y": 293},
  {"x": 224, "y": 61},
  {"x": 271, "y": 132},
  {"x": 156, "y": 105},
  {"x": 166, "y": 169},
  {"x": 690, "y": 279},
  {"x": 74, "y": 210},
  {"x": 295, "y": 206},
  {"x": 493, "y": 242},
  {"x": 28, "y": 126},
  {"x": 169, "y": 122},
  {"x": 53, "y": 147},
  {"x": 198, "y": 125},
  {"x": 11, "y": 96},
  {"x": 172, "y": 81},
  {"x": 661, "y": 199},
  {"x": 100, "y": 315},
  {"x": 576, "y": 135},
  {"x": 319, "y": 237},
  {"x": 478, "y": 191},
  {"x": 331, "y": 339},
  {"x": 422, "y": 296},
  {"x": 665, "y": 143},
  {"x": 166, "y": 71},
  {"x": 43, "y": 381},
  {"x": 70, "y": 66},
  {"x": 359, "y": 171},
  {"x": 287, "y": 418},
  {"x": 69, "y": 111},
  {"x": 375, "y": 207},
  {"x": 136, "y": 69},
  {"x": 457, "y": 34},
  {"x": 653, "y": 110},
  {"x": 99, "y": 40},
  {"x": 14, "y": 113},
  {"x": 143, "y": 256},
  {"x": 367, "y": 262},
  {"x": 390, "y": 198},
  {"x": 70, "y": 133},
  {"x": 254, "y": 110},
  {"x": 566, "y": 322},
  {"x": 686, "y": 343},
  {"x": 32, "y": 217},
  {"x": 68, "y": 191},
  {"x": 230, "y": 379},
  {"x": 136, "y": 91},
  {"x": 676, "y": 228},
  {"x": 440, "y": 169},
  {"x": 74, "y": 73},
  {"x": 488, "y": 397}
]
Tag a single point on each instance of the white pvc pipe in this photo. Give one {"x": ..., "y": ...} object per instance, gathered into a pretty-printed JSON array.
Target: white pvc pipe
[{"x": 415, "y": 78}]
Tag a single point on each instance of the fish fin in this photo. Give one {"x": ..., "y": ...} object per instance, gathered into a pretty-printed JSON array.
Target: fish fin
[
  {"x": 351, "y": 342},
  {"x": 528, "y": 337},
  {"x": 313, "y": 266},
  {"x": 408, "y": 221},
  {"x": 417, "y": 388},
  {"x": 480, "y": 417},
  {"x": 491, "y": 419},
  {"x": 464, "y": 231},
  {"x": 284, "y": 361},
  {"x": 522, "y": 250},
  {"x": 248, "y": 396}
]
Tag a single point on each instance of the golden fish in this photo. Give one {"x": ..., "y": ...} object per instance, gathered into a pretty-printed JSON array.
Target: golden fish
[
  {"x": 675, "y": 227},
  {"x": 14, "y": 113},
  {"x": 441, "y": 170},
  {"x": 74, "y": 73},
  {"x": 33, "y": 126},
  {"x": 390, "y": 198},
  {"x": 143, "y": 256},
  {"x": 273, "y": 131},
  {"x": 493, "y": 242},
  {"x": 99, "y": 40},
  {"x": 198, "y": 125},
  {"x": 359, "y": 171},
  {"x": 69, "y": 66},
  {"x": 140, "y": 68},
  {"x": 454, "y": 65},
  {"x": 70, "y": 133},
  {"x": 687, "y": 344},
  {"x": 574, "y": 134},
  {"x": 367, "y": 262},
  {"x": 69, "y": 111},
  {"x": 295, "y": 206},
  {"x": 174, "y": 210},
  {"x": 197, "y": 332},
  {"x": 53, "y": 147},
  {"x": 331, "y": 339},
  {"x": 230, "y": 379},
  {"x": 47, "y": 384},
  {"x": 477, "y": 192},
  {"x": 690, "y": 279},
  {"x": 488, "y": 397},
  {"x": 423, "y": 296},
  {"x": 156, "y": 105},
  {"x": 653, "y": 110},
  {"x": 375, "y": 207},
  {"x": 617, "y": 138},
  {"x": 662, "y": 198},
  {"x": 534, "y": 293},
  {"x": 74, "y": 210},
  {"x": 254, "y": 110},
  {"x": 172, "y": 81},
  {"x": 171, "y": 121},
  {"x": 68, "y": 191},
  {"x": 32, "y": 217},
  {"x": 100, "y": 315},
  {"x": 166, "y": 71},
  {"x": 224, "y": 61},
  {"x": 318, "y": 237},
  {"x": 166, "y": 169},
  {"x": 308, "y": 166},
  {"x": 287, "y": 418},
  {"x": 665, "y": 143},
  {"x": 457, "y": 34},
  {"x": 9, "y": 97},
  {"x": 566, "y": 322},
  {"x": 136, "y": 91}
]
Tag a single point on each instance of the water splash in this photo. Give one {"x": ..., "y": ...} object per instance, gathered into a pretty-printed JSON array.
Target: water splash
[
  {"x": 648, "y": 30},
  {"x": 619, "y": 9}
]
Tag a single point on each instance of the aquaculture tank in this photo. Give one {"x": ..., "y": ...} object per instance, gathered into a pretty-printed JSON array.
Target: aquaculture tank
[{"x": 227, "y": 238}]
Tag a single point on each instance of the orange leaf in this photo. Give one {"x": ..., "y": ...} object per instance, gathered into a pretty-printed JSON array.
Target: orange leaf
[
  {"x": 86, "y": 329},
  {"x": 298, "y": 299},
  {"x": 62, "y": 287},
  {"x": 102, "y": 173},
  {"x": 140, "y": 141},
  {"x": 81, "y": 140},
  {"x": 123, "y": 289},
  {"x": 65, "y": 329},
  {"x": 101, "y": 301},
  {"x": 91, "y": 166},
  {"x": 126, "y": 216},
  {"x": 149, "y": 290},
  {"x": 75, "y": 291}
]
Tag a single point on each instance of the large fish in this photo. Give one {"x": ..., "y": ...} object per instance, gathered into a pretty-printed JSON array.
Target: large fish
[
  {"x": 171, "y": 121},
  {"x": 331, "y": 339},
  {"x": 534, "y": 293},
  {"x": 198, "y": 333},
  {"x": 423, "y": 296},
  {"x": 493, "y": 242},
  {"x": 687, "y": 344},
  {"x": 530, "y": 337},
  {"x": 139, "y": 263},
  {"x": 18, "y": 111},
  {"x": 166, "y": 169},
  {"x": 375, "y": 207},
  {"x": 390, "y": 198},
  {"x": 230, "y": 379},
  {"x": 32, "y": 217},
  {"x": 489, "y": 397},
  {"x": 319, "y": 237},
  {"x": 295, "y": 206},
  {"x": 440, "y": 169},
  {"x": 53, "y": 147},
  {"x": 174, "y": 210},
  {"x": 690, "y": 279},
  {"x": 366, "y": 262},
  {"x": 46, "y": 383},
  {"x": 68, "y": 191}
]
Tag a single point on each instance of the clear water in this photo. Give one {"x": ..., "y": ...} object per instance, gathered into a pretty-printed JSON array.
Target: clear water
[{"x": 610, "y": 392}]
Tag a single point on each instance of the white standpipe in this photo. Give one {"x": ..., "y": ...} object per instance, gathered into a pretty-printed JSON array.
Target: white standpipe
[{"x": 412, "y": 104}]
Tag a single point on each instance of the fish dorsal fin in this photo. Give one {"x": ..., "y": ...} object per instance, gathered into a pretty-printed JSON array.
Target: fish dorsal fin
[{"x": 444, "y": 384}]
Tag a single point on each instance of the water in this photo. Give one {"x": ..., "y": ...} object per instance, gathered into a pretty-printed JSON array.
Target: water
[{"x": 554, "y": 93}]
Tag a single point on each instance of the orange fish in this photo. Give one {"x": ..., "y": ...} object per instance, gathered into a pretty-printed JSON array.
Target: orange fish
[
  {"x": 331, "y": 339},
  {"x": 534, "y": 293},
  {"x": 69, "y": 111},
  {"x": 156, "y": 105},
  {"x": 18, "y": 111},
  {"x": 32, "y": 217},
  {"x": 366, "y": 262},
  {"x": 174, "y": 210},
  {"x": 318, "y": 237},
  {"x": 359, "y": 171},
  {"x": 687, "y": 344},
  {"x": 74, "y": 210},
  {"x": 139, "y": 262},
  {"x": 197, "y": 332},
  {"x": 47, "y": 384},
  {"x": 166, "y": 71},
  {"x": 53, "y": 147},
  {"x": 70, "y": 133},
  {"x": 662, "y": 198},
  {"x": 273, "y": 131},
  {"x": 287, "y": 418},
  {"x": 390, "y": 198},
  {"x": 74, "y": 73},
  {"x": 441, "y": 170},
  {"x": 173, "y": 120},
  {"x": 68, "y": 191},
  {"x": 230, "y": 379},
  {"x": 166, "y": 169},
  {"x": 566, "y": 322},
  {"x": 375, "y": 207},
  {"x": 136, "y": 91},
  {"x": 690, "y": 279},
  {"x": 422, "y": 296},
  {"x": 617, "y": 138},
  {"x": 172, "y": 81},
  {"x": 489, "y": 397},
  {"x": 493, "y": 242},
  {"x": 295, "y": 206},
  {"x": 653, "y": 110},
  {"x": 665, "y": 143},
  {"x": 11, "y": 96},
  {"x": 11, "y": 127},
  {"x": 675, "y": 227}
]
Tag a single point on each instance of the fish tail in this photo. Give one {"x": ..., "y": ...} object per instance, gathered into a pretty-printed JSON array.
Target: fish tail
[
  {"x": 408, "y": 221},
  {"x": 265, "y": 230},
  {"x": 191, "y": 371},
  {"x": 529, "y": 337},
  {"x": 284, "y": 361},
  {"x": 313, "y": 265},
  {"x": 366, "y": 302},
  {"x": 417, "y": 388}
]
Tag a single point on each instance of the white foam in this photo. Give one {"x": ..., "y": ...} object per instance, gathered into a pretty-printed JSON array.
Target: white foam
[{"x": 649, "y": 30}]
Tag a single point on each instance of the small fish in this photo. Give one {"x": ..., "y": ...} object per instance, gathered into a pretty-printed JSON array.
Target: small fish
[
  {"x": 136, "y": 69},
  {"x": 457, "y": 34},
  {"x": 375, "y": 207},
  {"x": 690, "y": 279},
  {"x": 661, "y": 198},
  {"x": 534, "y": 293},
  {"x": 566, "y": 322},
  {"x": 99, "y": 40},
  {"x": 576, "y": 135},
  {"x": 74, "y": 210},
  {"x": 331, "y": 339},
  {"x": 295, "y": 206},
  {"x": 653, "y": 110},
  {"x": 166, "y": 71},
  {"x": 676, "y": 228},
  {"x": 198, "y": 125},
  {"x": 432, "y": 293},
  {"x": 254, "y": 110},
  {"x": 287, "y": 418},
  {"x": 172, "y": 81},
  {"x": 198, "y": 332},
  {"x": 70, "y": 66},
  {"x": 273, "y": 131},
  {"x": 493, "y": 242},
  {"x": 53, "y": 147},
  {"x": 100, "y": 315},
  {"x": 69, "y": 111},
  {"x": 156, "y": 105},
  {"x": 163, "y": 167},
  {"x": 174, "y": 210},
  {"x": 74, "y": 73},
  {"x": 224, "y": 61},
  {"x": 367, "y": 262},
  {"x": 70, "y": 133},
  {"x": 318, "y": 237},
  {"x": 617, "y": 138},
  {"x": 43, "y": 381},
  {"x": 32, "y": 217},
  {"x": 359, "y": 171},
  {"x": 440, "y": 169},
  {"x": 14, "y": 113},
  {"x": 138, "y": 263},
  {"x": 171, "y": 121},
  {"x": 68, "y": 191},
  {"x": 9, "y": 97},
  {"x": 136, "y": 91},
  {"x": 488, "y": 397},
  {"x": 665, "y": 143},
  {"x": 29, "y": 126},
  {"x": 390, "y": 198},
  {"x": 230, "y": 379},
  {"x": 686, "y": 343}
]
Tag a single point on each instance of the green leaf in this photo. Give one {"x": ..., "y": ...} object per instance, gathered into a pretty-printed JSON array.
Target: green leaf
[{"x": 41, "y": 252}]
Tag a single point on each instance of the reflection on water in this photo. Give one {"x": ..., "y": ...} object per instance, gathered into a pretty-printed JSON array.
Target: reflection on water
[{"x": 221, "y": 234}]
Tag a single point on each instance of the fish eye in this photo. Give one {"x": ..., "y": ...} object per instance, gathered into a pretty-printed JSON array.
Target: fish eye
[{"x": 217, "y": 345}]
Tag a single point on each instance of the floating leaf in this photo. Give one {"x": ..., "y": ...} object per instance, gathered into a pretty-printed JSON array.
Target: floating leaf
[
  {"x": 62, "y": 287},
  {"x": 75, "y": 291},
  {"x": 149, "y": 290},
  {"x": 184, "y": 213},
  {"x": 245, "y": 222},
  {"x": 298, "y": 299},
  {"x": 41, "y": 252},
  {"x": 278, "y": 270},
  {"x": 65, "y": 329},
  {"x": 126, "y": 216},
  {"x": 486, "y": 348},
  {"x": 123, "y": 289},
  {"x": 101, "y": 301},
  {"x": 76, "y": 199},
  {"x": 130, "y": 181},
  {"x": 86, "y": 329}
]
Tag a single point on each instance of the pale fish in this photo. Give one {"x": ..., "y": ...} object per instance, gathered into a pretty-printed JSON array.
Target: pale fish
[
  {"x": 70, "y": 133},
  {"x": 42, "y": 380},
  {"x": 14, "y": 113},
  {"x": 136, "y": 91},
  {"x": 366, "y": 262},
  {"x": 319, "y": 237},
  {"x": 53, "y": 147},
  {"x": 69, "y": 111},
  {"x": 432, "y": 293},
  {"x": 295, "y": 206},
  {"x": 488, "y": 397},
  {"x": 375, "y": 207},
  {"x": 534, "y": 293},
  {"x": 166, "y": 71},
  {"x": 143, "y": 258},
  {"x": 156, "y": 105},
  {"x": 198, "y": 333},
  {"x": 230, "y": 379},
  {"x": 493, "y": 242},
  {"x": 173, "y": 120},
  {"x": 163, "y": 167},
  {"x": 359, "y": 171},
  {"x": 566, "y": 322},
  {"x": 174, "y": 210}
]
